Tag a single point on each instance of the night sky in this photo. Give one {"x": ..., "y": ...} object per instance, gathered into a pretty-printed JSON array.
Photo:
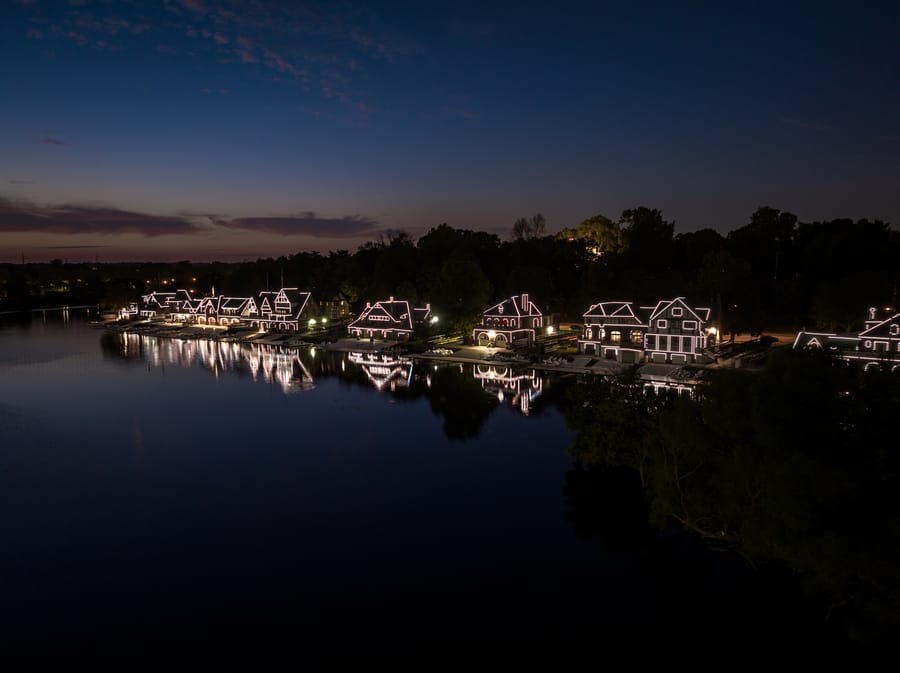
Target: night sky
[{"x": 202, "y": 129}]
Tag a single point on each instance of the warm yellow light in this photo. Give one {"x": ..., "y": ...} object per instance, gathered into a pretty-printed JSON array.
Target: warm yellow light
[
  {"x": 492, "y": 334},
  {"x": 312, "y": 321},
  {"x": 549, "y": 329}
]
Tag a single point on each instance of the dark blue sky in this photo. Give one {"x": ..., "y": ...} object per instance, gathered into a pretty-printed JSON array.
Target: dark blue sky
[{"x": 211, "y": 129}]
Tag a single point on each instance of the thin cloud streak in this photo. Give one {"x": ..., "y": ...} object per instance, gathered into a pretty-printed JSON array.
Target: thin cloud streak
[
  {"x": 71, "y": 219},
  {"x": 20, "y": 216},
  {"x": 52, "y": 141},
  {"x": 306, "y": 224}
]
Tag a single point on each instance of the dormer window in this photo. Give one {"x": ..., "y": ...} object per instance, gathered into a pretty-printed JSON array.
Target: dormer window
[{"x": 676, "y": 312}]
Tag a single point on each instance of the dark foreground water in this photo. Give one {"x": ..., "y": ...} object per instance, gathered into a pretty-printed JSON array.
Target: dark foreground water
[{"x": 161, "y": 496}]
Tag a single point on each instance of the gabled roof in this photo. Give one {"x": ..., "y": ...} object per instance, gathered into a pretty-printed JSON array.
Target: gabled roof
[
  {"x": 886, "y": 328},
  {"x": 609, "y": 309},
  {"x": 158, "y": 298},
  {"x": 701, "y": 314},
  {"x": 391, "y": 314},
  {"x": 234, "y": 303},
  {"x": 514, "y": 306},
  {"x": 267, "y": 301},
  {"x": 813, "y": 339},
  {"x": 209, "y": 303},
  {"x": 295, "y": 297}
]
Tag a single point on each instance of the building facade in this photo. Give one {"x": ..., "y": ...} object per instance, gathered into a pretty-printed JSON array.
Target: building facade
[
  {"x": 877, "y": 346},
  {"x": 391, "y": 320},
  {"x": 613, "y": 330},
  {"x": 672, "y": 331},
  {"x": 514, "y": 321}
]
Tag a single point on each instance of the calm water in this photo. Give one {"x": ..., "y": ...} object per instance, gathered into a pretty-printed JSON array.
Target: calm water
[{"x": 159, "y": 494}]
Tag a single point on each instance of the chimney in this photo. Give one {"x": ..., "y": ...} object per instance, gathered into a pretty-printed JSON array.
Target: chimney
[
  {"x": 391, "y": 299},
  {"x": 525, "y": 308}
]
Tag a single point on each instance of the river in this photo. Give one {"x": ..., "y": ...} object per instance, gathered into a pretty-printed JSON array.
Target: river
[{"x": 226, "y": 498}]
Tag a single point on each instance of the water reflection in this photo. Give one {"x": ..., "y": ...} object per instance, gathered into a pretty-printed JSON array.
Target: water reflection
[
  {"x": 385, "y": 370},
  {"x": 465, "y": 395},
  {"x": 521, "y": 386},
  {"x": 282, "y": 366}
]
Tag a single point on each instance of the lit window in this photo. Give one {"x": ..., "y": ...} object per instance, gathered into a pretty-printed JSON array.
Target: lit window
[
  {"x": 615, "y": 337},
  {"x": 636, "y": 338}
]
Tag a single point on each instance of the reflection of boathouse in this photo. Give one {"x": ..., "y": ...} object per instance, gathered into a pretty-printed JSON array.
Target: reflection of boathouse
[
  {"x": 521, "y": 386},
  {"x": 279, "y": 365},
  {"x": 384, "y": 370},
  {"x": 273, "y": 364}
]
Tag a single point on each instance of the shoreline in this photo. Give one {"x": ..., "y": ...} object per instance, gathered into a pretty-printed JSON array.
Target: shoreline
[{"x": 656, "y": 374}]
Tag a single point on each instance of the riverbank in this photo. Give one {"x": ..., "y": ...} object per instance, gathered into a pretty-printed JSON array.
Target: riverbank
[{"x": 657, "y": 375}]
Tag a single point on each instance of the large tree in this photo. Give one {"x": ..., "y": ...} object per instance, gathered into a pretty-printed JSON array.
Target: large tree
[{"x": 599, "y": 234}]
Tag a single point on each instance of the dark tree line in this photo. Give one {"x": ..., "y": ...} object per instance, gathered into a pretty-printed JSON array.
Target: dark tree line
[
  {"x": 793, "y": 465},
  {"x": 773, "y": 272}
]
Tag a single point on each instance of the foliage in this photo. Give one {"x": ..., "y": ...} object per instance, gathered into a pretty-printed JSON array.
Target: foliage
[
  {"x": 772, "y": 272},
  {"x": 792, "y": 464},
  {"x": 599, "y": 234}
]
